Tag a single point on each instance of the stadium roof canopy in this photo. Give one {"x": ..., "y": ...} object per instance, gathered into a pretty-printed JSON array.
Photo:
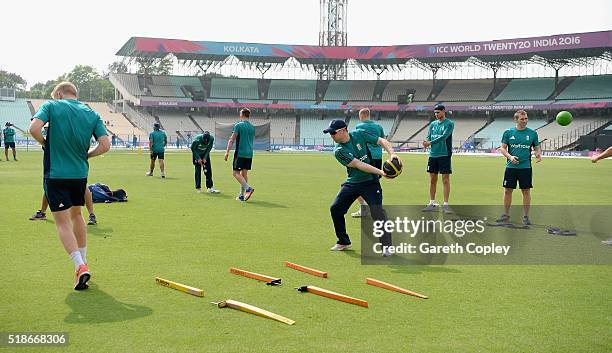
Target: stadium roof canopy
[{"x": 574, "y": 47}]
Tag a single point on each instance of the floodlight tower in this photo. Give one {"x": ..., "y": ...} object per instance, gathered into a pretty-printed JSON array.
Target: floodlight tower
[{"x": 332, "y": 33}]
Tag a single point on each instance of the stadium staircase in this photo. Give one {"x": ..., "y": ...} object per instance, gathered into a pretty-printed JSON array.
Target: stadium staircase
[
  {"x": 379, "y": 88},
  {"x": 297, "y": 129},
  {"x": 561, "y": 86},
  {"x": 498, "y": 87},
  {"x": 263, "y": 86},
  {"x": 31, "y": 106},
  {"x": 436, "y": 89},
  {"x": 195, "y": 122}
]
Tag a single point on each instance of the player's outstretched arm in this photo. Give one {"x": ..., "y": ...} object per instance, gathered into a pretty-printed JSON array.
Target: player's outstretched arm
[
  {"x": 103, "y": 146},
  {"x": 364, "y": 167},
  {"x": 605, "y": 154}
]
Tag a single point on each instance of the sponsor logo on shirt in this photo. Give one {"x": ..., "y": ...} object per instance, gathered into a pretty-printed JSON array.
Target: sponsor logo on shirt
[{"x": 518, "y": 145}]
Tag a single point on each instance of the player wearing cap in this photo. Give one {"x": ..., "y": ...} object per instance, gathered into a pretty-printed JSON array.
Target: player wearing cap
[
  {"x": 440, "y": 139},
  {"x": 516, "y": 147},
  {"x": 363, "y": 179},
  {"x": 200, "y": 148},
  {"x": 244, "y": 134},
  {"x": 9, "y": 140},
  {"x": 157, "y": 143}
]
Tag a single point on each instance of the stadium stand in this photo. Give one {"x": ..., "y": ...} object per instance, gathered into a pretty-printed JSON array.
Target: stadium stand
[
  {"x": 465, "y": 128},
  {"x": 394, "y": 88},
  {"x": 311, "y": 128},
  {"x": 527, "y": 89},
  {"x": 588, "y": 87},
  {"x": 162, "y": 87},
  {"x": 554, "y": 130},
  {"x": 465, "y": 90},
  {"x": 18, "y": 113},
  {"x": 491, "y": 135},
  {"x": 409, "y": 126},
  {"x": 234, "y": 88},
  {"x": 176, "y": 121},
  {"x": 128, "y": 83},
  {"x": 296, "y": 90},
  {"x": 117, "y": 123},
  {"x": 143, "y": 120},
  {"x": 350, "y": 91}
]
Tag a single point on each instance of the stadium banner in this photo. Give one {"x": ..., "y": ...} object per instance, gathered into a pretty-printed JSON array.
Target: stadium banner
[
  {"x": 455, "y": 106},
  {"x": 191, "y": 49},
  {"x": 557, "y": 235},
  {"x": 260, "y": 143}
]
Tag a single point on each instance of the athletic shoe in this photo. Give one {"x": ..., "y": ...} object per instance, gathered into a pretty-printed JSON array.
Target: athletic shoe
[
  {"x": 240, "y": 198},
  {"x": 430, "y": 208},
  {"x": 446, "y": 209},
  {"x": 15, "y": 159},
  {"x": 248, "y": 192},
  {"x": 607, "y": 242},
  {"x": 199, "y": 191},
  {"x": 163, "y": 175},
  {"x": 387, "y": 253},
  {"x": 340, "y": 247},
  {"x": 503, "y": 218},
  {"x": 526, "y": 220},
  {"x": 92, "y": 220},
  {"x": 38, "y": 216},
  {"x": 212, "y": 191},
  {"x": 82, "y": 276},
  {"x": 149, "y": 174},
  {"x": 360, "y": 214}
]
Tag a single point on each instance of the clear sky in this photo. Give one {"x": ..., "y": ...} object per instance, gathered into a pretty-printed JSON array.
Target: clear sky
[{"x": 44, "y": 39}]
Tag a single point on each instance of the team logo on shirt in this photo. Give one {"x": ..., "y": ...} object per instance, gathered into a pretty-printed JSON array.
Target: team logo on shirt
[
  {"x": 512, "y": 138},
  {"x": 358, "y": 146},
  {"x": 527, "y": 137}
]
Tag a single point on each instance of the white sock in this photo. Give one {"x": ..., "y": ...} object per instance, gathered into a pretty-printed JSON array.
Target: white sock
[
  {"x": 432, "y": 202},
  {"x": 242, "y": 190},
  {"x": 83, "y": 252},
  {"x": 446, "y": 204},
  {"x": 75, "y": 256}
]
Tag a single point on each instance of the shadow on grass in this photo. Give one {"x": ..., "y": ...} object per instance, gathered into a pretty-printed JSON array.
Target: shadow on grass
[
  {"x": 99, "y": 231},
  {"x": 265, "y": 204},
  {"x": 218, "y": 196},
  {"x": 95, "y": 306}
]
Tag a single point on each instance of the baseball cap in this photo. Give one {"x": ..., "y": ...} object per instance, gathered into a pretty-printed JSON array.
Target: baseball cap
[
  {"x": 335, "y": 125},
  {"x": 439, "y": 107}
]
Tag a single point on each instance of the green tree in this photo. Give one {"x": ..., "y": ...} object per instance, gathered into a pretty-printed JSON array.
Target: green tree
[
  {"x": 12, "y": 80},
  {"x": 117, "y": 67},
  {"x": 155, "y": 66}
]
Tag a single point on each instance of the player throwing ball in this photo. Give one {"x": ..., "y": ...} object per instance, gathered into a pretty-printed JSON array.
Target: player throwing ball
[{"x": 363, "y": 178}]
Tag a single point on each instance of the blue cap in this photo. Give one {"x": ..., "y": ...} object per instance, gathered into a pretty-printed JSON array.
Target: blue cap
[
  {"x": 439, "y": 107},
  {"x": 335, "y": 125}
]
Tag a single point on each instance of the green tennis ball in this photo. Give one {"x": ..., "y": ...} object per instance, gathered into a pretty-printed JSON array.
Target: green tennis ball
[{"x": 564, "y": 118}]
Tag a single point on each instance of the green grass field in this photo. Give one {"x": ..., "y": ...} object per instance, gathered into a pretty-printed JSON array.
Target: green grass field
[{"x": 168, "y": 230}]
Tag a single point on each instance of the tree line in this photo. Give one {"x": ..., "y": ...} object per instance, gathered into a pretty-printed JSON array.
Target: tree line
[{"x": 92, "y": 85}]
